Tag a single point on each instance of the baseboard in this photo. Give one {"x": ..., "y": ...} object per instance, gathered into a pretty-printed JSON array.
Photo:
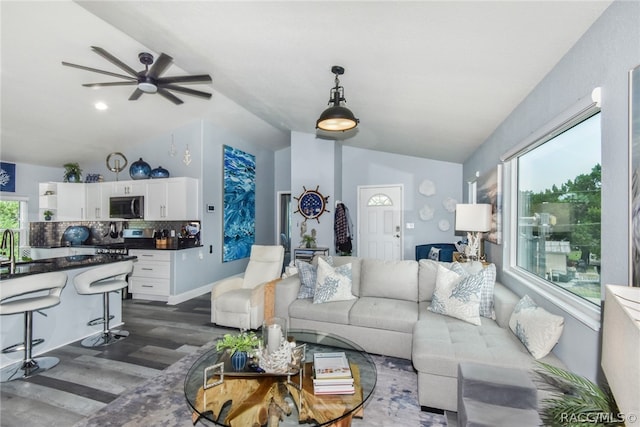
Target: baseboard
[{"x": 186, "y": 296}]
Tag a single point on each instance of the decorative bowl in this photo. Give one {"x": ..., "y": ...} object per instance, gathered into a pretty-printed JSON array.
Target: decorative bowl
[
  {"x": 159, "y": 172},
  {"x": 140, "y": 169},
  {"x": 76, "y": 234}
]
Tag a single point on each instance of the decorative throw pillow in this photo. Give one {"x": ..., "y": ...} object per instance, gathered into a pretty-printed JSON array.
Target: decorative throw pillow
[
  {"x": 308, "y": 274},
  {"x": 434, "y": 254},
  {"x": 456, "y": 297},
  {"x": 487, "y": 278},
  {"x": 333, "y": 284},
  {"x": 538, "y": 329}
]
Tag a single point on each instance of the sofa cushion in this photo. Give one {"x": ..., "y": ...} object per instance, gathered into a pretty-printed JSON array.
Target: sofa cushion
[
  {"x": 389, "y": 279},
  {"x": 538, "y": 329},
  {"x": 427, "y": 272},
  {"x": 440, "y": 343},
  {"x": 331, "y": 312},
  {"x": 457, "y": 296},
  {"x": 333, "y": 284},
  {"x": 384, "y": 313}
]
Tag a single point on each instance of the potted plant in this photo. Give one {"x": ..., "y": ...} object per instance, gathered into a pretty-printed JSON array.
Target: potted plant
[
  {"x": 575, "y": 400},
  {"x": 47, "y": 215},
  {"x": 308, "y": 240},
  {"x": 72, "y": 172},
  {"x": 238, "y": 346}
]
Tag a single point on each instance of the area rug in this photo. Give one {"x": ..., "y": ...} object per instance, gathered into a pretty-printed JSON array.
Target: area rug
[{"x": 160, "y": 401}]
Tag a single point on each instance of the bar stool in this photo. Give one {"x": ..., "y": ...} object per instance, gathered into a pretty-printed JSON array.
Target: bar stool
[
  {"x": 102, "y": 280},
  {"x": 26, "y": 295}
]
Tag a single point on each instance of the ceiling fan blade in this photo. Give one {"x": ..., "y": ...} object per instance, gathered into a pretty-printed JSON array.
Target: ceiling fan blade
[
  {"x": 110, "y": 84},
  {"x": 135, "y": 95},
  {"x": 187, "y": 91},
  {"x": 95, "y": 70},
  {"x": 171, "y": 97},
  {"x": 160, "y": 65},
  {"x": 106, "y": 55},
  {"x": 200, "y": 78}
]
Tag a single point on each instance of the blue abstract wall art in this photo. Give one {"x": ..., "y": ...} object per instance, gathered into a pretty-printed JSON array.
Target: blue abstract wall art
[
  {"x": 8, "y": 177},
  {"x": 239, "y": 204}
]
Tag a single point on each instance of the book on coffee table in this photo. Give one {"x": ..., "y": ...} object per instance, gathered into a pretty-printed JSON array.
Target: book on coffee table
[
  {"x": 332, "y": 374},
  {"x": 331, "y": 365}
]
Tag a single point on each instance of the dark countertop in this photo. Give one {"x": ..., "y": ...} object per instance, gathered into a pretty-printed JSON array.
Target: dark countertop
[{"x": 24, "y": 268}]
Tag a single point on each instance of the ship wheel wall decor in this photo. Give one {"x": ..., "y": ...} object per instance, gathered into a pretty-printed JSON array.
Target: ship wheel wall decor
[{"x": 312, "y": 204}]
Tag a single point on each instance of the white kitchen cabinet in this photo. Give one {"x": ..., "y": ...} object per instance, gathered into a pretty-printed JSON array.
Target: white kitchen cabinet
[
  {"x": 172, "y": 199},
  {"x": 97, "y": 200},
  {"x": 71, "y": 199},
  {"x": 65, "y": 199},
  {"x": 128, "y": 188},
  {"x": 152, "y": 273}
]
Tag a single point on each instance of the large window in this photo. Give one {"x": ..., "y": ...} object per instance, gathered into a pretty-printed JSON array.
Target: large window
[{"x": 557, "y": 213}]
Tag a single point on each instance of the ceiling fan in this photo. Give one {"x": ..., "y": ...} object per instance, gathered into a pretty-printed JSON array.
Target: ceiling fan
[{"x": 147, "y": 80}]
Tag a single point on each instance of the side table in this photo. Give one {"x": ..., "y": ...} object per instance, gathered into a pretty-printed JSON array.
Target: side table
[{"x": 307, "y": 254}]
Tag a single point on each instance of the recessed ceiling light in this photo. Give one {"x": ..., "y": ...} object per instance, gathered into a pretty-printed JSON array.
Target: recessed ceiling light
[{"x": 101, "y": 106}]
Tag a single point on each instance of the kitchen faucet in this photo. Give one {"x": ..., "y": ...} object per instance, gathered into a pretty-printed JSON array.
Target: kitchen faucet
[{"x": 12, "y": 255}]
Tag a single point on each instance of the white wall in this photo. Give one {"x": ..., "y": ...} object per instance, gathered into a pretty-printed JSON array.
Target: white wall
[
  {"x": 339, "y": 169},
  {"x": 602, "y": 57},
  {"x": 366, "y": 167}
]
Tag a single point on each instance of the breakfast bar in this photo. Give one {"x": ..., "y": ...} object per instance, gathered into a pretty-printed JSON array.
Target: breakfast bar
[{"x": 66, "y": 322}]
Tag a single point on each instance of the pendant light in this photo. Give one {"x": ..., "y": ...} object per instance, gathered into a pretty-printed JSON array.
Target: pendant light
[{"x": 337, "y": 118}]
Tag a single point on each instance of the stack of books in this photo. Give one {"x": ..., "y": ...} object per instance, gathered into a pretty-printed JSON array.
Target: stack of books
[{"x": 332, "y": 374}]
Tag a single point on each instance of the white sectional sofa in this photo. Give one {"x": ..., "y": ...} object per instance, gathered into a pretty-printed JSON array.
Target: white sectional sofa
[{"x": 389, "y": 316}]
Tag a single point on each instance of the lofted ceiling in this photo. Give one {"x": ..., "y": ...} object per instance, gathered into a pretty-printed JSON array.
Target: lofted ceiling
[{"x": 430, "y": 79}]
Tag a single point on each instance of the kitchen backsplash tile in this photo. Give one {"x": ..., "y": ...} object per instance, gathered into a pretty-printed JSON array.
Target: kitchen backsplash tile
[{"x": 49, "y": 233}]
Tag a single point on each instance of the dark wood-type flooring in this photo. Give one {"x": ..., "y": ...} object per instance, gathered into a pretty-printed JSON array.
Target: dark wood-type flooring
[{"x": 86, "y": 379}]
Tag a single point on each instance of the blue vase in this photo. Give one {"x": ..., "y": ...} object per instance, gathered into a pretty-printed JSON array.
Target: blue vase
[
  {"x": 238, "y": 360},
  {"x": 140, "y": 169},
  {"x": 159, "y": 172}
]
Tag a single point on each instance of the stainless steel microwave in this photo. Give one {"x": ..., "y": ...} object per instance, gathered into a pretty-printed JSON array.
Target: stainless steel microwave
[{"x": 127, "y": 207}]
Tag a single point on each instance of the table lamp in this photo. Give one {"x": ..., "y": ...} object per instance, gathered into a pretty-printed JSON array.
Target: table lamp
[{"x": 475, "y": 219}]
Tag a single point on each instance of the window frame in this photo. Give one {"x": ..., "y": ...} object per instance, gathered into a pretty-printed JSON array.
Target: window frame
[
  {"x": 584, "y": 311},
  {"x": 24, "y": 219}
]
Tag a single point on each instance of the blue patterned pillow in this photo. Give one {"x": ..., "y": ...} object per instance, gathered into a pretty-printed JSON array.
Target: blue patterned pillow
[
  {"x": 308, "y": 277},
  {"x": 456, "y": 297},
  {"x": 308, "y": 274},
  {"x": 538, "y": 329},
  {"x": 333, "y": 284},
  {"x": 487, "y": 279}
]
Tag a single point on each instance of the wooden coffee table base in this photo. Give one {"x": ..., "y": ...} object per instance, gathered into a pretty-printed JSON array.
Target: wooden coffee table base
[{"x": 257, "y": 401}]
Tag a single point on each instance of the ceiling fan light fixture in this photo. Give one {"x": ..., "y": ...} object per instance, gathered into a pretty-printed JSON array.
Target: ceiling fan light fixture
[
  {"x": 337, "y": 118},
  {"x": 147, "y": 87}
]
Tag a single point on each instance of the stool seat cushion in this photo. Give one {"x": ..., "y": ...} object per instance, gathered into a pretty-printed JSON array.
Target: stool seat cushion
[
  {"x": 28, "y": 304},
  {"x": 27, "y": 293},
  {"x": 106, "y": 278}
]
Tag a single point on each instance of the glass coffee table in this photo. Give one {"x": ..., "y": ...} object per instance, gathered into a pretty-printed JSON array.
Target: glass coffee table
[{"x": 245, "y": 398}]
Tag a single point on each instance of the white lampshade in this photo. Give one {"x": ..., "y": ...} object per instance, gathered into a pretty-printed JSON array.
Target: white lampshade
[
  {"x": 473, "y": 217},
  {"x": 620, "y": 346}
]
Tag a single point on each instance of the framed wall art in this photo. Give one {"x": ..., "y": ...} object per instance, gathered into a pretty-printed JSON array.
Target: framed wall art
[
  {"x": 239, "y": 218},
  {"x": 489, "y": 190},
  {"x": 8, "y": 177}
]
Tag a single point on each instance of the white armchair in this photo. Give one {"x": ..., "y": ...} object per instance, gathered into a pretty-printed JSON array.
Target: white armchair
[{"x": 238, "y": 301}]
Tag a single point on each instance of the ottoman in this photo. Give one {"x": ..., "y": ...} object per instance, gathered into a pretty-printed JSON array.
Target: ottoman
[{"x": 493, "y": 396}]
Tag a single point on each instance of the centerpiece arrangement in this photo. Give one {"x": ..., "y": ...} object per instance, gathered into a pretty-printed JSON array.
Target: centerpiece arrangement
[{"x": 238, "y": 346}]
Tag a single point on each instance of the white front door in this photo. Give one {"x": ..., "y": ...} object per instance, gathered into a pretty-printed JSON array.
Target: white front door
[{"x": 380, "y": 222}]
